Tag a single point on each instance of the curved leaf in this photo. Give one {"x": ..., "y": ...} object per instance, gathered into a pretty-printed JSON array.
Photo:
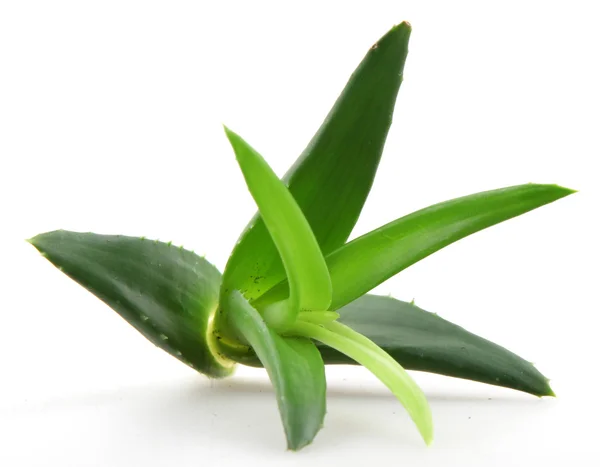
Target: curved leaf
[
  {"x": 295, "y": 368},
  {"x": 168, "y": 294},
  {"x": 333, "y": 176},
  {"x": 367, "y": 261},
  {"x": 310, "y": 285},
  {"x": 423, "y": 341}
]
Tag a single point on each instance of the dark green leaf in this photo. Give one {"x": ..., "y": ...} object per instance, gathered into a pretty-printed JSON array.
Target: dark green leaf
[
  {"x": 333, "y": 176},
  {"x": 423, "y": 341},
  {"x": 310, "y": 285},
  {"x": 168, "y": 294},
  {"x": 295, "y": 368}
]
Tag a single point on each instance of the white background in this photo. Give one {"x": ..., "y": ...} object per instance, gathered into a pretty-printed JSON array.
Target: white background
[{"x": 110, "y": 121}]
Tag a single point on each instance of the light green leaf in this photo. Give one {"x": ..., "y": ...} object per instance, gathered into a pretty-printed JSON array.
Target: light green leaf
[
  {"x": 168, "y": 294},
  {"x": 333, "y": 176},
  {"x": 294, "y": 366},
  {"x": 310, "y": 285}
]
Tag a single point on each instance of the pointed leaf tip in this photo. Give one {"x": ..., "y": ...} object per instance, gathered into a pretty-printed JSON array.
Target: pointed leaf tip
[
  {"x": 403, "y": 28},
  {"x": 399, "y": 34},
  {"x": 564, "y": 190},
  {"x": 228, "y": 132}
]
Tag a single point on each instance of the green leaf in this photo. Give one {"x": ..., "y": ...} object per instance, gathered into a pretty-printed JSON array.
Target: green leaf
[
  {"x": 310, "y": 285},
  {"x": 423, "y": 341},
  {"x": 365, "y": 352},
  {"x": 367, "y": 261},
  {"x": 295, "y": 368},
  {"x": 332, "y": 178},
  {"x": 168, "y": 294}
]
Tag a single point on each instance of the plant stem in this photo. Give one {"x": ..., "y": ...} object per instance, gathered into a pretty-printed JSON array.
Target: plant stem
[{"x": 367, "y": 353}]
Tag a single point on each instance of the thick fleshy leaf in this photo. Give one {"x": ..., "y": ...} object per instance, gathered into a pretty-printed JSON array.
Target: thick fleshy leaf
[
  {"x": 369, "y": 260},
  {"x": 295, "y": 368},
  {"x": 333, "y": 176},
  {"x": 308, "y": 277},
  {"x": 168, "y": 294},
  {"x": 423, "y": 341}
]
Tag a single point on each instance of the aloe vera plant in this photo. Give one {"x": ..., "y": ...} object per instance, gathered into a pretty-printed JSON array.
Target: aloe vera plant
[{"x": 293, "y": 295}]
